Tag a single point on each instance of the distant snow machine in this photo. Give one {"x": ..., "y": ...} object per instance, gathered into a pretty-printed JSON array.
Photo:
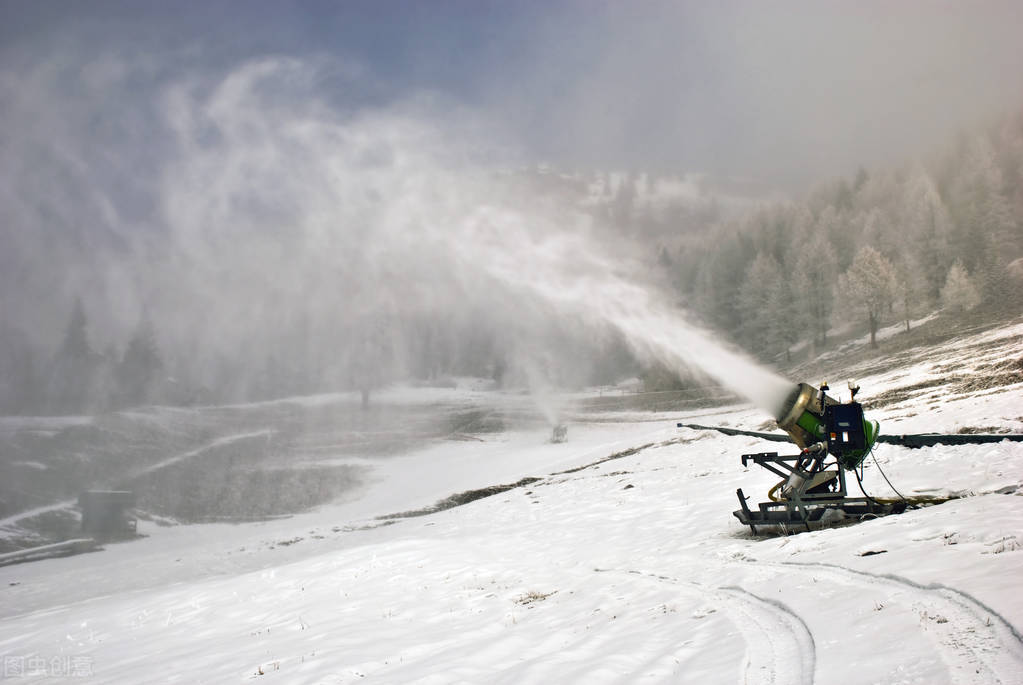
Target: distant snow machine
[
  {"x": 559, "y": 433},
  {"x": 812, "y": 492}
]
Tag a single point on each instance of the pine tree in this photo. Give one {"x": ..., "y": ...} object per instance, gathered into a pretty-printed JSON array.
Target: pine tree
[
  {"x": 870, "y": 285},
  {"x": 986, "y": 236},
  {"x": 959, "y": 293},
  {"x": 839, "y": 233},
  {"x": 19, "y": 384},
  {"x": 372, "y": 354},
  {"x": 76, "y": 338},
  {"x": 761, "y": 305},
  {"x": 73, "y": 370},
  {"x": 814, "y": 285},
  {"x": 912, "y": 290},
  {"x": 141, "y": 365},
  {"x": 925, "y": 229}
]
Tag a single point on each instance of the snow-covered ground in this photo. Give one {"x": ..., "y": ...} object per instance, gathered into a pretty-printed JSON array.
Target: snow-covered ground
[{"x": 629, "y": 569}]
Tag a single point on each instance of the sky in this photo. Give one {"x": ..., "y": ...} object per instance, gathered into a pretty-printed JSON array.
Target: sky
[
  {"x": 167, "y": 155},
  {"x": 786, "y": 92}
]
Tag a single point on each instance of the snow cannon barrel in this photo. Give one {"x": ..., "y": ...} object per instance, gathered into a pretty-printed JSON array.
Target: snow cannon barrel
[
  {"x": 802, "y": 415},
  {"x": 811, "y": 417}
]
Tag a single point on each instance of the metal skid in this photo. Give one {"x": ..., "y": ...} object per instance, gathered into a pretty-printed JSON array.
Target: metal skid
[{"x": 810, "y": 495}]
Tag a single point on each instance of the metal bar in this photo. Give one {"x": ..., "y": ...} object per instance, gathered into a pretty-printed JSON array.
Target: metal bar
[{"x": 746, "y": 511}]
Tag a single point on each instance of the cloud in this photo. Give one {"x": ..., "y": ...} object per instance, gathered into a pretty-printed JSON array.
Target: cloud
[
  {"x": 789, "y": 91},
  {"x": 254, "y": 191}
]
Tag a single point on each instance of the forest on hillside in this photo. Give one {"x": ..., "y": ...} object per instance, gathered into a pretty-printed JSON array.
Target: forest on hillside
[{"x": 885, "y": 246}]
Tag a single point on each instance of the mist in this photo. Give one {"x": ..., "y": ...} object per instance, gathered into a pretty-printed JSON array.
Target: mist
[
  {"x": 320, "y": 191},
  {"x": 280, "y": 227},
  {"x": 782, "y": 95}
]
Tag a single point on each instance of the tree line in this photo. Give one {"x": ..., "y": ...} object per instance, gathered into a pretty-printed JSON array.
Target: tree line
[
  {"x": 877, "y": 249},
  {"x": 78, "y": 379}
]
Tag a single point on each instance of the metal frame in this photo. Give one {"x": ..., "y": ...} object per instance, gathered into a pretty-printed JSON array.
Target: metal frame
[{"x": 805, "y": 503}]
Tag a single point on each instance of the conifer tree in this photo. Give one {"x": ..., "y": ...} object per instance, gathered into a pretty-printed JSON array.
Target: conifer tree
[
  {"x": 813, "y": 279},
  {"x": 959, "y": 293},
  {"x": 760, "y": 305},
  {"x": 141, "y": 365},
  {"x": 72, "y": 373},
  {"x": 870, "y": 285}
]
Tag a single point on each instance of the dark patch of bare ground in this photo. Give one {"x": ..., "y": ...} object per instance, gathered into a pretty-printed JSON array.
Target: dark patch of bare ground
[
  {"x": 458, "y": 499},
  {"x": 617, "y": 455},
  {"x": 919, "y": 344},
  {"x": 958, "y": 384},
  {"x": 904, "y": 348},
  {"x": 982, "y": 430}
]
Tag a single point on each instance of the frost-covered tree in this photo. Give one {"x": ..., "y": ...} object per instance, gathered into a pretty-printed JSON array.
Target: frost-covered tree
[
  {"x": 877, "y": 229},
  {"x": 814, "y": 285},
  {"x": 836, "y": 227},
  {"x": 372, "y": 354},
  {"x": 19, "y": 382},
  {"x": 959, "y": 294},
  {"x": 911, "y": 295},
  {"x": 72, "y": 374},
  {"x": 76, "y": 335},
  {"x": 925, "y": 227},
  {"x": 986, "y": 238},
  {"x": 767, "y": 308},
  {"x": 141, "y": 365},
  {"x": 1010, "y": 153},
  {"x": 870, "y": 285},
  {"x": 719, "y": 276}
]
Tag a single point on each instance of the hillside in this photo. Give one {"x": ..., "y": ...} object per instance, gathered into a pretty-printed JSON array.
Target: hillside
[{"x": 620, "y": 561}]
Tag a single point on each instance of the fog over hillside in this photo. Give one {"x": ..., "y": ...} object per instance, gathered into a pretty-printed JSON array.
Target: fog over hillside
[{"x": 226, "y": 203}]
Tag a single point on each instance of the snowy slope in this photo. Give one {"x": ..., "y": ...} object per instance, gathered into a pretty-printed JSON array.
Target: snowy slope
[{"x": 631, "y": 569}]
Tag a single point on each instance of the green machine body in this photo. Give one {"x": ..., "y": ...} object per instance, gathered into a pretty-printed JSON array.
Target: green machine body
[{"x": 812, "y": 418}]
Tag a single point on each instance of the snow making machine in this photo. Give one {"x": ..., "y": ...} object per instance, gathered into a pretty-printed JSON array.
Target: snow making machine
[{"x": 834, "y": 438}]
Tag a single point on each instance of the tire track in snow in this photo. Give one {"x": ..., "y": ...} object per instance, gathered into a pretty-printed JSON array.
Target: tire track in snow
[
  {"x": 976, "y": 643},
  {"x": 219, "y": 442},
  {"x": 773, "y": 634},
  {"x": 780, "y": 649},
  {"x": 38, "y": 511},
  {"x": 13, "y": 519}
]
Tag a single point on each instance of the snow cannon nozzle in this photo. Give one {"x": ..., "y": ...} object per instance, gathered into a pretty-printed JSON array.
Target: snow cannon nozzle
[{"x": 810, "y": 416}]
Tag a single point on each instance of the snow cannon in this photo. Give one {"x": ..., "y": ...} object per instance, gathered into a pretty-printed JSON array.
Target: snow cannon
[
  {"x": 559, "y": 433},
  {"x": 811, "y": 417},
  {"x": 833, "y": 437}
]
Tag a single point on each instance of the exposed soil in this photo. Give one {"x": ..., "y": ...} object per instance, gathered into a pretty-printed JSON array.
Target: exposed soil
[
  {"x": 459, "y": 499},
  {"x": 902, "y": 348}
]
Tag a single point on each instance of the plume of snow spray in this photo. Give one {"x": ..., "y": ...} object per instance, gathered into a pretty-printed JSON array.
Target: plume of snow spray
[
  {"x": 281, "y": 220},
  {"x": 561, "y": 266}
]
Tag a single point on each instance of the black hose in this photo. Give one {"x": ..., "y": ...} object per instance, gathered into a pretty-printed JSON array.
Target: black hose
[
  {"x": 872, "y": 456},
  {"x": 859, "y": 481}
]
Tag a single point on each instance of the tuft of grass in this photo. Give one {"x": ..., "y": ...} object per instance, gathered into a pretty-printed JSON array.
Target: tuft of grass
[{"x": 533, "y": 597}]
